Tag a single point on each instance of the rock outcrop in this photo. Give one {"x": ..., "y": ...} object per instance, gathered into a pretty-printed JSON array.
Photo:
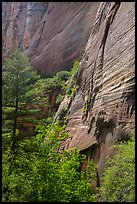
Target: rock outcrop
[
  {"x": 102, "y": 112},
  {"x": 53, "y": 34},
  {"x": 14, "y": 16}
]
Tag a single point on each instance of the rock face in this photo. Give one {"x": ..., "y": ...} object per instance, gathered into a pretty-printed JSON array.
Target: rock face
[
  {"x": 102, "y": 112},
  {"x": 14, "y": 17},
  {"x": 53, "y": 34},
  {"x": 20, "y": 21},
  {"x": 35, "y": 13}
]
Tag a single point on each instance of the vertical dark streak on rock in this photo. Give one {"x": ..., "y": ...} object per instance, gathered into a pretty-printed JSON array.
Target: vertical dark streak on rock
[
  {"x": 93, "y": 91},
  {"x": 20, "y": 38},
  {"x": 50, "y": 10},
  {"x": 109, "y": 21},
  {"x": 94, "y": 87},
  {"x": 40, "y": 34}
]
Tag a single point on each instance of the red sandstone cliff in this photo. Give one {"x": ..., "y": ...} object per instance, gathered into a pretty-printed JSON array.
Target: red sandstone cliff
[
  {"x": 53, "y": 34},
  {"x": 102, "y": 112}
]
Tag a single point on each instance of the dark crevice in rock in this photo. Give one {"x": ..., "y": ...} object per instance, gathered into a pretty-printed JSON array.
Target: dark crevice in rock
[
  {"x": 43, "y": 24},
  {"x": 132, "y": 110},
  {"x": 109, "y": 21},
  {"x": 50, "y": 10},
  {"x": 96, "y": 78},
  {"x": 100, "y": 17},
  {"x": 91, "y": 124}
]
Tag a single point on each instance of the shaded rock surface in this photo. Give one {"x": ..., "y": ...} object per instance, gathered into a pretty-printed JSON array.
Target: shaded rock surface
[
  {"x": 103, "y": 110},
  {"x": 53, "y": 34},
  {"x": 14, "y": 16}
]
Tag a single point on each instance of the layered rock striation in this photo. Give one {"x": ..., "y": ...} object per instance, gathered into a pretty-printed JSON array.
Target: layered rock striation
[
  {"x": 14, "y": 15},
  {"x": 102, "y": 112},
  {"x": 52, "y": 34}
]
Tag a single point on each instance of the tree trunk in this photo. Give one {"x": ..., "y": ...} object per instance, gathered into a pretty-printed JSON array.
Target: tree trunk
[
  {"x": 15, "y": 126},
  {"x": 13, "y": 144}
]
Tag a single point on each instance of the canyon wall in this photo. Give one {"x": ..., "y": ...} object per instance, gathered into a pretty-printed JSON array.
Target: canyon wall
[
  {"x": 102, "y": 35},
  {"x": 102, "y": 113},
  {"x": 14, "y": 17},
  {"x": 52, "y": 34}
]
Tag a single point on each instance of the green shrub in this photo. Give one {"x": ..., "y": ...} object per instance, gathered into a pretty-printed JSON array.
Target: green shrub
[
  {"x": 119, "y": 177},
  {"x": 70, "y": 86},
  {"x": 59, "y": 99},
  {"x": 57, "y": 81},
  {"x": 63, "y": 75},
  {"x": 41, "y": 174}
]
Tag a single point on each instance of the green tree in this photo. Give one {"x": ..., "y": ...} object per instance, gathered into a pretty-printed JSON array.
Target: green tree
[
  {"x": 43, "y": 174},
  {"x": 18, "y": 79},
  {"x": 118, "y": 183}
]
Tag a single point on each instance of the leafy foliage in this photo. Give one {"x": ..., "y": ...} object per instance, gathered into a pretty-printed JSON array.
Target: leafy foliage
[
  {"x": 41, "y": 174},
  {"x": 59, "y": 99},
  {"x": 57, "y": 81},
  {"x": 18, "y": 80},
  {"x": 119, "y": 177},
  {"x": 41, "y": 171},
  {"x": 70, "y": 87}
]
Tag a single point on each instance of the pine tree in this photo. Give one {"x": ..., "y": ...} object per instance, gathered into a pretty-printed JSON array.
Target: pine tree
[{"x": 18, "y": 79}]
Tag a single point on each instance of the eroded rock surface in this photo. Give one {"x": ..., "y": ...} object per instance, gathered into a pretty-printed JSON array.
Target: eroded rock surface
[
  {"x": 103, "y": 110},
  {"x": 14, "y": 16},
  {"x": 53, "y": 34}
]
